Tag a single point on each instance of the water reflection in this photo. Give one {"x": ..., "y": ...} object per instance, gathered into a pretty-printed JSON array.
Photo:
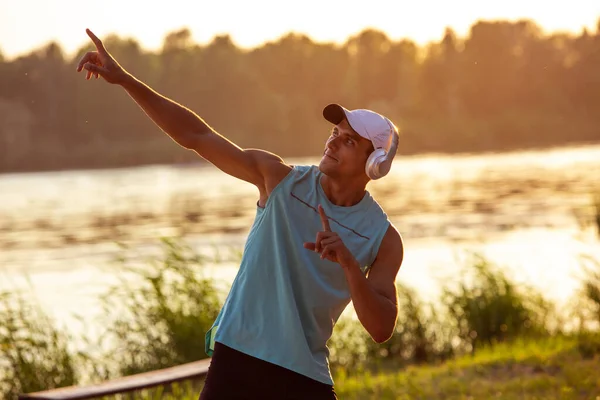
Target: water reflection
[{"x": 525, "y": 210}]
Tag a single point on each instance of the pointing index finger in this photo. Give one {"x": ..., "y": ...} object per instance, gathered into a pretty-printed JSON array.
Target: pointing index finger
[
  {"x": 96, "y": 41},
  {"x": 324, "y": 219}
]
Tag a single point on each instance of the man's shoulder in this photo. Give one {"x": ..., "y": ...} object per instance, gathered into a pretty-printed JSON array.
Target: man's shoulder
[
  {"x": 302, "y": 171},
  {"x": 392, "y": 242},
  {"x": 393, "y": 235},
  {"x": 290, "y": 174}
]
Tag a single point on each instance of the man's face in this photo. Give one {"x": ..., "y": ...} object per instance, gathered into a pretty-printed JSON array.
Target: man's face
[{"x": 346, "y": 153}]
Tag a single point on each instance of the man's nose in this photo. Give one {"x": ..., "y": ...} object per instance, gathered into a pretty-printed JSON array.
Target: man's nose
[{"x": 332, "y": 143}]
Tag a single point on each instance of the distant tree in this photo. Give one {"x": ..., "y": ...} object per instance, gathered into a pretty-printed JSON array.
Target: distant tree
[
  {"x": 505, "y": 85},
  {"x": 368, "y": 56},
  {"x": 441, "y": 76}
]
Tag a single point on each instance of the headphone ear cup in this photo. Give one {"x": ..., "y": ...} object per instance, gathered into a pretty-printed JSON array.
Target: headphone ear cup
[{"x": 372, "y": 166}]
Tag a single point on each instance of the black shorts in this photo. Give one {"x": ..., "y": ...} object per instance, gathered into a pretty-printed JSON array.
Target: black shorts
[{"x": 235, "y": 375}]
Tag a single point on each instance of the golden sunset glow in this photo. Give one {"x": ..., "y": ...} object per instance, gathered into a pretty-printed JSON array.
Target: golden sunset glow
[{"x": 252, "y": 23}]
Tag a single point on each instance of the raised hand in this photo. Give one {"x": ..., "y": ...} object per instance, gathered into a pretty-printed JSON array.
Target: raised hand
[
  {"x": 101, "y": 63},
  {"x": 330, "y": 245}
]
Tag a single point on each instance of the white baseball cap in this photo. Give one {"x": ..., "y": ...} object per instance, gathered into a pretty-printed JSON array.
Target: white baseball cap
[{"x": 368, "y": 124}]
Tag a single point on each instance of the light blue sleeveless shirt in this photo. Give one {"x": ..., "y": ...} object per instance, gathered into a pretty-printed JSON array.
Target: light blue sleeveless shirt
[{"x": 285, "y": 300}]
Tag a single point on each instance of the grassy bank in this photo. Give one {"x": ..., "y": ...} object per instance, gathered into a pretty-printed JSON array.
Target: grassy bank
[
  {"x": 553, "y": 368},
  {"x": 485, "y": 337},
  {"x": 559, "y": 367}
]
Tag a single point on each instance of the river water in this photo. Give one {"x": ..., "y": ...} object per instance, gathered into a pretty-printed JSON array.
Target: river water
[{"x": 528, "y": 212}]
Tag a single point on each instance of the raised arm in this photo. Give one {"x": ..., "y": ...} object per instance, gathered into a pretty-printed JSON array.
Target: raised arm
[{"x": 261, "y": 168}]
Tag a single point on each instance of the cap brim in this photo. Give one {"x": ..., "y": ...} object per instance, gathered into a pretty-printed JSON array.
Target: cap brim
[{"x": 334, "y": 113}]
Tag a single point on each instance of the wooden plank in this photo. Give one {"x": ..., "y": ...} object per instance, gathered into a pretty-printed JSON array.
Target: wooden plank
[{"x": 125, "y": 384}]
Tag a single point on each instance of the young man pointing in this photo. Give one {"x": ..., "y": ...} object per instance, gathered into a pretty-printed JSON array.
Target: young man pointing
[{"x": 318, "y": 241}]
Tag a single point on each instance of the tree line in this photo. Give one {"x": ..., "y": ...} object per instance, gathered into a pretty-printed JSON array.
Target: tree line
[{"x": 505, "y": 85}]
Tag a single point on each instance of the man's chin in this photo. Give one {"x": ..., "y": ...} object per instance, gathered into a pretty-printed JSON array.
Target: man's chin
[
  {"x": 323, "y": 165},
  {"x": 326, "y": 167}
]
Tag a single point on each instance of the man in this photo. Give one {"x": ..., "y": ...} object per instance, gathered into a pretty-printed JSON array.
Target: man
[{"x": 318, "y": 241}]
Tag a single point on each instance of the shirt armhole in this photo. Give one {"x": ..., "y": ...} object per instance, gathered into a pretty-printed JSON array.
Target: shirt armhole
[{"x": 296, "y": 169}]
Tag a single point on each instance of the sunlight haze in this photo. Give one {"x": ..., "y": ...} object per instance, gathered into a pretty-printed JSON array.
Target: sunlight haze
[{"x": 25, "y": 26}]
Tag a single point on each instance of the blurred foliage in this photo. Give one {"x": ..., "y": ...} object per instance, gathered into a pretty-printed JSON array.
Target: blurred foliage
[
  {"x": 589, "y": 295},
  {"x": 491, "y": 308},
  {"x": 505, "y": 85},
  {"x": 481, "y": 308},
  {"x": 160, "y": 311},
  {"x": 33, "y": 353},
  {"x": 552, "y": 368},
  {"x": 420, "y": 336},
  {"x": 348, "y": 345}
]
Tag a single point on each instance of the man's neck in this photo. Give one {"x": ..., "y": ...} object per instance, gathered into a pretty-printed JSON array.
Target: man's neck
[{"x": 343, "y": 194}]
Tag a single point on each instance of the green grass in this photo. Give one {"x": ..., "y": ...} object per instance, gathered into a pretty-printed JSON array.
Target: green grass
[
  {"x": 556, "y": 367},
  {"x": 33, "y": 352},
  {"x": 552, "y": 368},
  {"x": 186, "y": 390},
  {"x": 157, "y": 316}
]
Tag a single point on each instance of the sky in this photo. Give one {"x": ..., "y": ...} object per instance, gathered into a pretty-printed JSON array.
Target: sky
[{"x": 29, "y": 24}]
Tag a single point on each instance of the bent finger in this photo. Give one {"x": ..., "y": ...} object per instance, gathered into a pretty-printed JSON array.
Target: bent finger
[
  {"x": 318, "y": 243},
  {"x": 88, "y": 57},
  {"x": 321, "y": 236},
  {"x": 310, "y": 246},
  {"x": 330, "y": 240},
  {"x": 325, "y": 235},
  {"x": 326, "y": 252},
  {"x": 95, "y": 68}
]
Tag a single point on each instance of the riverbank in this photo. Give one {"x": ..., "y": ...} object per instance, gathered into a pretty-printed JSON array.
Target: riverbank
[{"x": 553, "y": 368}]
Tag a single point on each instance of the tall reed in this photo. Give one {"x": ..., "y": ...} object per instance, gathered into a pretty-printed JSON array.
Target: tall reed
[
  {"x": 159, "y": 313},
  {"x": 34, "y": 354},
  {"x": 487, "y": 307}
]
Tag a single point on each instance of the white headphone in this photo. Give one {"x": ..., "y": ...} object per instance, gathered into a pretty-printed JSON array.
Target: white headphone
[{"x": 379, "y": 161}]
